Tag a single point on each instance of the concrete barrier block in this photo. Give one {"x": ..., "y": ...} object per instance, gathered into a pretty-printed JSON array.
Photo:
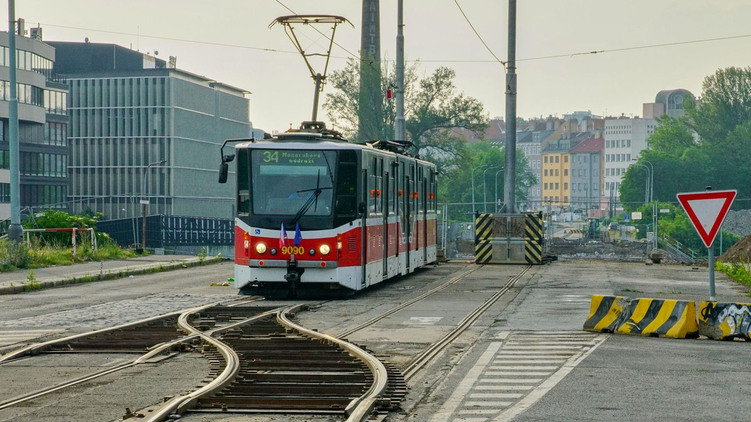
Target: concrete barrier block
[
  {"x": 725, "y": 321},
  {"x": 606, "y": 313},
  {"x": 663, "y": 318}
]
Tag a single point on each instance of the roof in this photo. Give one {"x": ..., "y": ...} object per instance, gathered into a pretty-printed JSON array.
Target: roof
[{"x": 590, "y": 146}]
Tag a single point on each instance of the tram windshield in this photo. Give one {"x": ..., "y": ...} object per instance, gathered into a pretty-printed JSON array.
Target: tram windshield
[{"x": 292, "y": 182}]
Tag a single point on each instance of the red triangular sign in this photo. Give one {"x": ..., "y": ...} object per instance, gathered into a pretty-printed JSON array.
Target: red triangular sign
[{"x": 707, "y": 211}]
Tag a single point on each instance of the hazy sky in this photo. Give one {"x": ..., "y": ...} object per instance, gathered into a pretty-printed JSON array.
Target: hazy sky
[{"x": 648, "y": 46}]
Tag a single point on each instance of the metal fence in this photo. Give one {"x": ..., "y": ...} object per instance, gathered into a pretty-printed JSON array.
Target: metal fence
[{"x": 169, "y": 230}]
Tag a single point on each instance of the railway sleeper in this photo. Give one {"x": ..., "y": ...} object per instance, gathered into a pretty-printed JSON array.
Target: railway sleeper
[
  {"x": 301, "y": 390},
  {"x": 276, "y": 402}
]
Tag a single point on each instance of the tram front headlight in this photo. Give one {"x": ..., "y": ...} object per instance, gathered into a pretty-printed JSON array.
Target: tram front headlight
[
  {"x": 261, "y": 248},
  {"x": 324, "y": 249}
]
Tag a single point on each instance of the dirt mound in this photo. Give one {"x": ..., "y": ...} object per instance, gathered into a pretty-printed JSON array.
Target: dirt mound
[
  {"x": 738, "y": 253},
  {"x": 738, "y": 222}
]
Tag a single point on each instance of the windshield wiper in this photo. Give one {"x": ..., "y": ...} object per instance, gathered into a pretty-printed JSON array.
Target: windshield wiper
[{"x": 313, "y": 198}]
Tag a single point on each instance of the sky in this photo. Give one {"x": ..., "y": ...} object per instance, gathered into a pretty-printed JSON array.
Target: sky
[{"x": 644, "y": 46}]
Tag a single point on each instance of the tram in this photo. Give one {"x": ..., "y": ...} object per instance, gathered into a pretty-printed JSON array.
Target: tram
[{"x": 316, "y": 211}]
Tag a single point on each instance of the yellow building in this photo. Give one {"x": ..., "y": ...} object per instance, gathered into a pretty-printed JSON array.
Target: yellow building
[{"x": 555, "y": 178}]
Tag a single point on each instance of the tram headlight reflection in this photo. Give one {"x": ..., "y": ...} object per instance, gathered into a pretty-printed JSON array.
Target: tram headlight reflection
[
  {"x": 324, "y": 249},
  {"x": 261, "y": 248}
]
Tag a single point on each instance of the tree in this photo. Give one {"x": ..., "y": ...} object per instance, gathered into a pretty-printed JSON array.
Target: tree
[
  {"x": 432, "y": 110},
  {"x": 672, "y": 136},
  {"x": 720, "y": 157},
  {"x": 481, "y": 168},
  {"x": 725, "y": 104}
]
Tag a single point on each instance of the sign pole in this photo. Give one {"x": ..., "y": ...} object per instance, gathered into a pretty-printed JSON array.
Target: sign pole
[
  {"x": 707, "y": 210},
  {"x": 710, "y": 252}
]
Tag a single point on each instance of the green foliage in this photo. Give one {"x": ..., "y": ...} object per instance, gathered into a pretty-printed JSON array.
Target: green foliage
[
  {"x": 14, "y": 255},
  {"x": 738, "y": 272},
  {"x": 718, "y": 157},
  {"x": 484, "y": 165},
  {"x": 676, "y": 224},
  {"x": 31, "y": 282},
  {"x": 432, "y": 110},
  {"x": 41, "y": 253}
]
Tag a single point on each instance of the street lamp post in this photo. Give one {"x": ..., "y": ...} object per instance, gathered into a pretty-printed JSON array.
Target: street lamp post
[
  {"x": 650, "y": 195},
  {"x": 654, "y": 204},
  {"x": 496, "y": 185},
  {"x": 646, "y": 182},
  {"x": 145, "y": 200},
  {"x": 473, "y": 188},
  {"x": 484, "y": 200}
]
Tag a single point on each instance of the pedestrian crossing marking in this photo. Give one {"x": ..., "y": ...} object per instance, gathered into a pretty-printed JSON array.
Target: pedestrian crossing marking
[{"x": 515, "y": 372}]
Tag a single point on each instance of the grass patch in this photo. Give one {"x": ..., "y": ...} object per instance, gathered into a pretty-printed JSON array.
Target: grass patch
[
  {"x": 738, "y": 272},
  {"x": 38, "y": 254},
  {"x": 632, "y": 291}
]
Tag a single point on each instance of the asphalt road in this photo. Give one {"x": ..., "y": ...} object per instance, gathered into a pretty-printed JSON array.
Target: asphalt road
[{"x": 619, "y": 377}]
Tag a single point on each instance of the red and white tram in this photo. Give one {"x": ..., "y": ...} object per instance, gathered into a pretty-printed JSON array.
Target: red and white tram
[{"x": 316, "y": 211}]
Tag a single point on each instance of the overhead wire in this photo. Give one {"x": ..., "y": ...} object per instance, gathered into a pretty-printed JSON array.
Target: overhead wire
[
  {"x": 495, "y": 60},
  {"x": 478, "y": 34}
]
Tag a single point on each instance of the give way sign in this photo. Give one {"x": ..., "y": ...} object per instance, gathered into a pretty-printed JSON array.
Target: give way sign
[{"x": 707, "y": 211}]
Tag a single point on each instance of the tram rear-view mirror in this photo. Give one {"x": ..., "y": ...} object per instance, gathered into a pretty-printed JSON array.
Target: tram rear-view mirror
[
  {"x": 361, "y": 207},
  {"x": 223, "y": 169}
]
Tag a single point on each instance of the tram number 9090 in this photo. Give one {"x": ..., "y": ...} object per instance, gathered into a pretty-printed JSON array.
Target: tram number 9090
[{"x": 293, "y": 250}]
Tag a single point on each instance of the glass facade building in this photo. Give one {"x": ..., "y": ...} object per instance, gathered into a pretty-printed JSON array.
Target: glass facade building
[
  {"x": 42, "y": 127},
  {"x": 140, "y": 130}
]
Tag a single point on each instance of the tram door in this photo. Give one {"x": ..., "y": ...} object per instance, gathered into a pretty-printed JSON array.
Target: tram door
[
  {"x": 385, "y": 219},
  {"x": 407, "y": 218},
  {"x": 424, "y": 205}
]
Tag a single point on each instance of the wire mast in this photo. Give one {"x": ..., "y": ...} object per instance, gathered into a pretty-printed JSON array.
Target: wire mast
[{"x": 288, "y": 22}]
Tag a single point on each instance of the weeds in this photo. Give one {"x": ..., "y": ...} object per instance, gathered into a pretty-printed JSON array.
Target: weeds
[
  {"x": 31, "y": 282},
  {"x": 39, "y": 254},
  {"x": 738, "y": 272}
]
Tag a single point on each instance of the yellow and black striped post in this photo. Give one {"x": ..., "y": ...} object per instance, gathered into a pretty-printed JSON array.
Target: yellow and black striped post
[
  {"x": 483, "y": 234},
  {"x": 533, "y": 236}
]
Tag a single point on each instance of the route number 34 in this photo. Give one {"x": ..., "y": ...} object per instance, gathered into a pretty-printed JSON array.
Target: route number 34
[{"x": 271, "y": 156}]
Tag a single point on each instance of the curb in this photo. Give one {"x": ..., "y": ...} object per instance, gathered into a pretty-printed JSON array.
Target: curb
[{"x": 111, "y": 274}]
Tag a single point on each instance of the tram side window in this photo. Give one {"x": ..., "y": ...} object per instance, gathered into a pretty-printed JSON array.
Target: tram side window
[
  {"x": 346, "y": 186},
  {"x": 243, "y": 183},
  {"x": 419, "y": 188},
  {"x": 432, "y": 201},
  {"x": 391, "y": 187},
  {"x": 374, "y": 185}
]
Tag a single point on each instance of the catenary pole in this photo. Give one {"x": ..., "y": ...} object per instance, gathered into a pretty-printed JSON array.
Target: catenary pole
[
  {"x": 399, "y": 128},
  {"x": 510, "y": 179}
]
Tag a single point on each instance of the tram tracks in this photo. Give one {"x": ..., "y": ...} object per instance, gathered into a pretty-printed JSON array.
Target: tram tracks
[
  {"x": 425, "y": 357},
  {"x": 259, "y": 363},
  {"x": 157, "y": 335},
  {"x": 266, "y": 363}
]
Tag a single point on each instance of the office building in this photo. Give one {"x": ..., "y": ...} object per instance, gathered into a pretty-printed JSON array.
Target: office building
[
  {"x": 143, "y": 130},
  {"x": 42, "y": 126}
]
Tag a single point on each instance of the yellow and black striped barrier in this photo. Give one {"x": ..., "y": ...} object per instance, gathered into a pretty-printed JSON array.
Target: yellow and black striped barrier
[
  {"x": 648, "y": 317},
  {"x": 483, "y": 235},
  {"x": 533, "y": 236},
  {"x": 605, "y": 313},
  {"x": 518, "y": 238},
  {"x": 663, "y": 318},
  {"x": 725, "y": 321}
]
